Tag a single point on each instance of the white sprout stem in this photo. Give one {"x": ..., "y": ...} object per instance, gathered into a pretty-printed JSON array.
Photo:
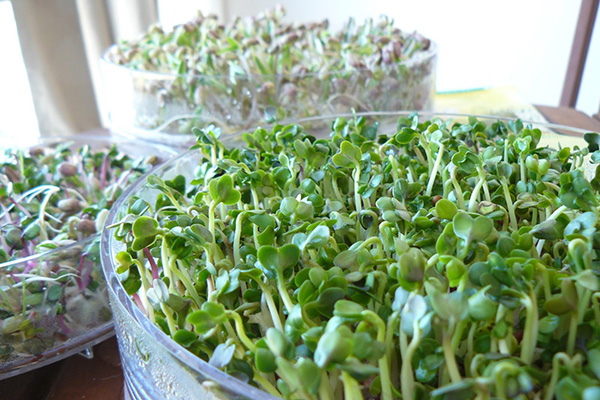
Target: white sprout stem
[
  {"x": 460, "y": 200},
  {"x": 509, "y": 205},
  {"x": 357, "y": 200},
  {"x": 540, "y": 244},
  {"x": 76, "y": 193},
  {"x": 395, "y": 168},
  {"x": 273, "y": 310},
  {"x": 522, "y": 169},
  {"x": 434, "y": 171},
  {"x": 285, "y": 297},
  {"x": 28, "y": 278},
  {"x": 475, "y": 195},
  {"x": 187, "y": 282},
  {"x": 237, "y": 239},
  {"x": 530, "y": 331},
  {"x": 26, "y": 195},
  {"x": 43, "y": 206},
  {"x": 408, "y": 380}
]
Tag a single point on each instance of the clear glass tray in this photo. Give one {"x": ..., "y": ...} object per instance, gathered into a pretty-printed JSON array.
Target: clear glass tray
[
  {"x": 87, "y": 319},
  {"x": 164, "y": 107}
]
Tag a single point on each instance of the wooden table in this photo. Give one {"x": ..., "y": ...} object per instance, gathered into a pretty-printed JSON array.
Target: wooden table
[{"x": 101, "y": 377}]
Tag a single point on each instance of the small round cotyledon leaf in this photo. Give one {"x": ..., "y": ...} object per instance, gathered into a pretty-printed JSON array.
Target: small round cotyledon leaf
[
  {"x": 414, "y": 310},
  {"x": 446, "y": 209},
  {"x": 591, "y": 393},
  {"x": 463, "y": 225},
  {"x": 288, "y": 206},
  {"x": 593, "y": 141},
  {"x": 333, "y": 347},
  {"x": 215, "y": 310},
  {"x": 545, "y": 230},
  {"x": 467, "y": 228},
  {"x": 265, "y": 360},
  {"x": 317, "y": 238},
  {"x": 348, "y": 310},
  {"x": 481, "y": 306},
  {"x": 482, "y": 228},
  {"x": 400, "y": 298},
  {"x": 588, "y": 279},
  {"x": 309, "y": 374},
  {"x": 222, "y": 355},
  {"x": 144, "y": 229},
  {"x": 412, "y": 265},
  {"x": 278, "y": 259},
  {"x": 222, "y": 190},
  {"x": 568, "y": 389},
  {"x": 549, "y": 324},
  {"x": 349, "y": 154},
  {"x": 405, "y": 136},
  {"x": 184, "y": 337},
  {"x": 594, "y": 360},
  {"x": 201, "y": 320},
  {"x": 280, "y": 344},
  {"x": 124, "y": 261}
]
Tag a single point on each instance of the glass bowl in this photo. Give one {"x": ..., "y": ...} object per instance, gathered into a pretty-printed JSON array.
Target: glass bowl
[
  {"x": 67, "y": 314},
  {"x": 164, "y": 107},
  {"x": 154, "y": 365}
]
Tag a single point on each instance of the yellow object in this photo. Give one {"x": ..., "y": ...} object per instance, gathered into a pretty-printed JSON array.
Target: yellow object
[
  {"x": 501, "y": 102},
  {"x": 507, "y": 102},
  {"x": 498, "y": 101}
]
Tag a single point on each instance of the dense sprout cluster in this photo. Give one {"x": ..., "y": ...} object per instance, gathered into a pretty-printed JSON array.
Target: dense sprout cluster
[
  {"x": 268, "y": 45},
  {"x": 439, "y": 260},
  {"x": 52, "y": 200},
  {"x": 265, "y": 66}
]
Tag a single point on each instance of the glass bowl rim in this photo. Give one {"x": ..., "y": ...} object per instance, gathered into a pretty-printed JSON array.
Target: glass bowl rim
[
  {"x": 68, "y": 348},
  {"x": 421, "y": 57},
  {"x": 111, "y": 136},
  {"x": 179, "y": 352}
]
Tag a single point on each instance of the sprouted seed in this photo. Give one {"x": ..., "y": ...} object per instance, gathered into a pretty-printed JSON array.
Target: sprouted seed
[{"x": 438, "y": 260}]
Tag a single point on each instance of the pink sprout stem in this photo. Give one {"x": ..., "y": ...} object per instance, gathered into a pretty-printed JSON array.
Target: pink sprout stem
[
  {"x": 29, "y": 265},
  {"x": 63, "y": 325},
  {"x": 103, "y": 172},
  {"x": 138, "y": 301},
  {"x": 152, "y": 263},
  {"x": 20, "y": 207},
  {"x": 84, "y": 275},
  {"x": 6, "y": 213},
  {"x": 26, "y": 249},
  {"x": 15, "y": 278}
]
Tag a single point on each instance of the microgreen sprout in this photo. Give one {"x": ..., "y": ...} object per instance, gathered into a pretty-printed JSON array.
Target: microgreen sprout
[{"x": 440, "y": 260}]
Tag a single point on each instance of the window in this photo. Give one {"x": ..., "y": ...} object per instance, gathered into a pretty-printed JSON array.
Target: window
[{"x": 18, "y": 121}]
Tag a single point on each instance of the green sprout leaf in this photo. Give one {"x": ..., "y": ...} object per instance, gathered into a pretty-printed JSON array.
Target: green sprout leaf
[
  {"x": 145, "y": 230},
  {"x": 278, "y": 259},
  {"x": 446, "y": 209},
  {"x": 333, "y": 347},
  {"x": 222, "y": 191}
]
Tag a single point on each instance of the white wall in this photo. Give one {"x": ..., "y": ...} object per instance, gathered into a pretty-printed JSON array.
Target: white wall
[{"x": 483, "y": 43}]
